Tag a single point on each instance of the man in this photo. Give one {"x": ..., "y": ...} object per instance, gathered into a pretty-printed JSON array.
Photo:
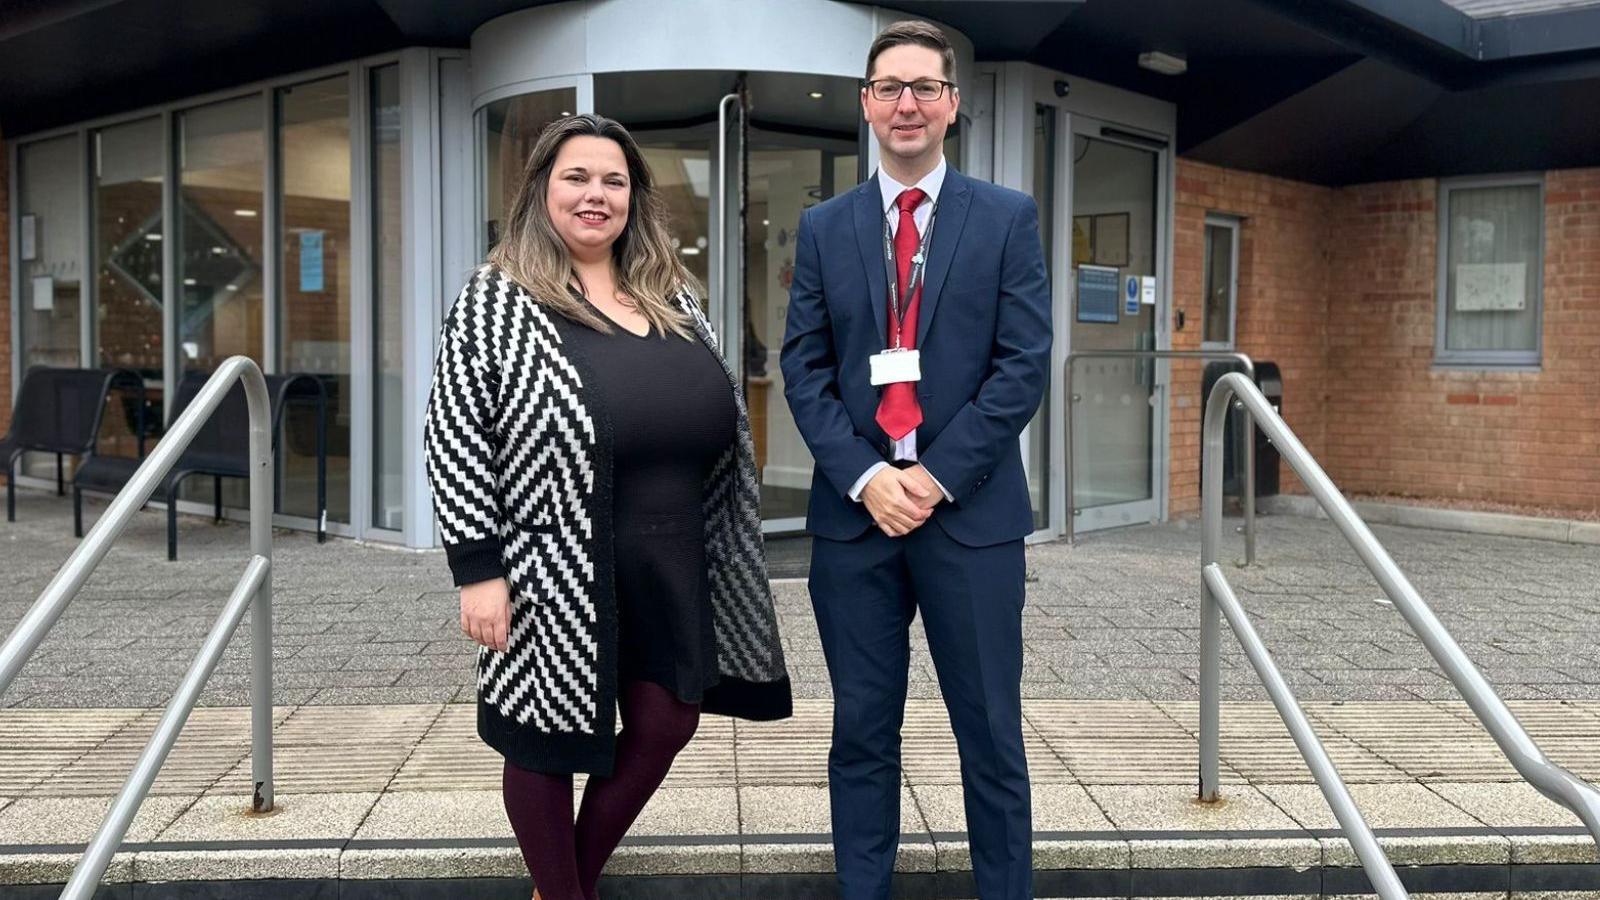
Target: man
[{"x": 917, "y": 348}]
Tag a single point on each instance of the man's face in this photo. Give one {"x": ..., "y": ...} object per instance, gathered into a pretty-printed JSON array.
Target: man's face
[{"x": 910, "y": 129}]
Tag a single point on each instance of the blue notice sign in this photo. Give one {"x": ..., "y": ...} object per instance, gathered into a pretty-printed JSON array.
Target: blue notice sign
[
  {"x": 310, "y": 262},
  {"x": 1130, "y": 295},
  {"x": 1098, "y": 290}
]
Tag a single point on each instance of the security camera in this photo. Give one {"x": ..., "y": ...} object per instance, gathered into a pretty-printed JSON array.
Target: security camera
[{"x": 1062, "y": 88}]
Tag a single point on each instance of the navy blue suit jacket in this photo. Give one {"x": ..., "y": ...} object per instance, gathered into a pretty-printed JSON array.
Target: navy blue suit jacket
[{"x": 984, "y": 335}]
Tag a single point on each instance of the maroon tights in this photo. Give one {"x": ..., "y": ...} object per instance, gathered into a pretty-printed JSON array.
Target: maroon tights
[{"x": 564, "y": 857}]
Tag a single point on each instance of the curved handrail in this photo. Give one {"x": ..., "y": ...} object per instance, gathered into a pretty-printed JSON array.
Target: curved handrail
[
  {"x": 254, "y": 586},
  {"x": 1548, "y": 778},
  {"x": 1249, "y": 445}
]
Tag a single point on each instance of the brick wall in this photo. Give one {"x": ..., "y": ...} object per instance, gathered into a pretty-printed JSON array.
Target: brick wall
[
  {"x": 1398, "y": 425},
  {"x": 1338, "y": 287},
  {"x": 1284, "y": 272}
]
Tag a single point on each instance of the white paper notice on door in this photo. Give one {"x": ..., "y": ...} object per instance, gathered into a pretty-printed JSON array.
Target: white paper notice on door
[
  {"x": 44, "y": 293},
  {"x": 1487, "y": 287}
]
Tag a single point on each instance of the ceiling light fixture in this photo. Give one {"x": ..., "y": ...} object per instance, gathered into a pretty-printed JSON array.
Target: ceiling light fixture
[
  {"x": 246, "y": 213},
  {"x": 1165, "y": 63},
  {"x": 815, "y": 95}
]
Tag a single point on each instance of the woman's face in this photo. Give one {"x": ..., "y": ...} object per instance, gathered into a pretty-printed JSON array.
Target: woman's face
[{"x": 588, "y": 195}]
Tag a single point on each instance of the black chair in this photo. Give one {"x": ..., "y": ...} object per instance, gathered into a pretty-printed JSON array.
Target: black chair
[
  {"x": 221, "y": 449},
  {"x": 59, "y": 411}
]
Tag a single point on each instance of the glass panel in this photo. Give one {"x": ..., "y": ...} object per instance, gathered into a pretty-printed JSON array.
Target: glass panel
[
  {"x": 219, "y": 254},
  {"x": 682, "y": 170},
  {"x": 314, "y": 317},
  {"x": 128, "y": 233},
  {"x": 49, "y": 205},
  {"x": 1219, "y": 281},
  {"x": 1037, "y": 436},
  {"x": 786, "y": 177},
  {"x": 387, "y": 436},
  {"x": 1114, "y": 204},
  {"x": 511, "y": 128},
  {"x": 129, "y": 171},
  {"x": 1493, "y": 268},
  {"x": 803, "y": 145},
  {"x": 49, "y": 198}
]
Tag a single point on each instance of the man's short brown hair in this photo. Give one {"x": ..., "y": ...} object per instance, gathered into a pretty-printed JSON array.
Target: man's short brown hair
[{"x": 922, "y": 34}]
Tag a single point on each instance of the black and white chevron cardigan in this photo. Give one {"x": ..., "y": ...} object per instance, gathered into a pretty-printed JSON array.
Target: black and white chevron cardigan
[{"x": 519, "y": 460}]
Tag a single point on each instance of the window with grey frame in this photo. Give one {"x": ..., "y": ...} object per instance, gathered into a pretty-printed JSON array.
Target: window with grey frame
[
  {"x": 1490, "y": 278},
  {"x": 1220, "y": 303}
]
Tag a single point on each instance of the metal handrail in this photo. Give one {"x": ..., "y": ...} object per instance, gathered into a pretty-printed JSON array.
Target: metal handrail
[
  {"x": 1548, "y": 778},
  {"x": 1244, "y": 360},
  {"x": 255, "y": 585},
  {"x": 1365, "y": 844}
]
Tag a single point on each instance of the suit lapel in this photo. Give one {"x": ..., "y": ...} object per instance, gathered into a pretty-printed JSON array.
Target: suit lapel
[
  {"x": 868, "y": 205},
  {"x": 954, "y": 198}
]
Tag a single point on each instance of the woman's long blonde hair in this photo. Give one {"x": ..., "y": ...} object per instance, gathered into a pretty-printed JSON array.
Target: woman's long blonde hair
[{"x": 532, "y": 252}]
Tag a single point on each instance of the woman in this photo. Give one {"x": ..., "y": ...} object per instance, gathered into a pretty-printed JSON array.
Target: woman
[{"x": 594, "y": 479}]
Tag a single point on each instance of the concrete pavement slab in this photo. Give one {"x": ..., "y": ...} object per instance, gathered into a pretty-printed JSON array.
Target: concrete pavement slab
[{"x": 1441, "y": 833}]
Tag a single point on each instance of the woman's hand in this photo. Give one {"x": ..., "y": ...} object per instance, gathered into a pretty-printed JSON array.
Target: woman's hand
[{"x": 486, "y": 612}]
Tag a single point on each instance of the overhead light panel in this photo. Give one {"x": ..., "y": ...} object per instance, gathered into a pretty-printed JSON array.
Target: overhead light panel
[{"x": 1165, "y": 63}]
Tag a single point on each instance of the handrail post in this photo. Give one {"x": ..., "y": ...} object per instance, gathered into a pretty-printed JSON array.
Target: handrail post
[
  {"x": 261, "y": 505},
  {"x": 1210, "y": 617}
]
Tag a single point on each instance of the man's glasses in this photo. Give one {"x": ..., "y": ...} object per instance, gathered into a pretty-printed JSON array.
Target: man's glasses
[{"x": 925, "y": 90}]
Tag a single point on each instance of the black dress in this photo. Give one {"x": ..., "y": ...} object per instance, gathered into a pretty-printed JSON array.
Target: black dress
[{"x": 672, "y": 417}]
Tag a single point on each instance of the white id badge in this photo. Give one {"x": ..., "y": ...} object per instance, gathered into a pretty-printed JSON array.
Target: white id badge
[{"x": 895, "y": 366}]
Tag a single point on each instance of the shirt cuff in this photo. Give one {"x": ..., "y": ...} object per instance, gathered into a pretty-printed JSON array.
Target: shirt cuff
[{"x": 861, "y": 483}]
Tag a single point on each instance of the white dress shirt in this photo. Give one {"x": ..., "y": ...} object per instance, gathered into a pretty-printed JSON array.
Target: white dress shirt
[{"x": 906, "y": 447}]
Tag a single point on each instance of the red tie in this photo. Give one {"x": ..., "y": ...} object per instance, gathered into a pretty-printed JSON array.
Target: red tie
[{"x": 899, "y": 413}]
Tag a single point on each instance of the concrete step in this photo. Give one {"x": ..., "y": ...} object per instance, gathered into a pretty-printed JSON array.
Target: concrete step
[{"x": 403, "y": 801}]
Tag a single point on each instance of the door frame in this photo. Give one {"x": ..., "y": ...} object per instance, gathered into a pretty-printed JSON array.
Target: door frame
[
  {"x": 1080, "y": 103},
  {"x": 1152, "y": 509}
]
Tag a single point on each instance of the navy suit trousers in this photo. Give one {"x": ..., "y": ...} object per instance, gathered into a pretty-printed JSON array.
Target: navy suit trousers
[{"x": 866, "y": 592}]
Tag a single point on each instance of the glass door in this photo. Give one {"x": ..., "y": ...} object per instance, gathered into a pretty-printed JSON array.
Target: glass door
[{"x": 1117, "y": 241}]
